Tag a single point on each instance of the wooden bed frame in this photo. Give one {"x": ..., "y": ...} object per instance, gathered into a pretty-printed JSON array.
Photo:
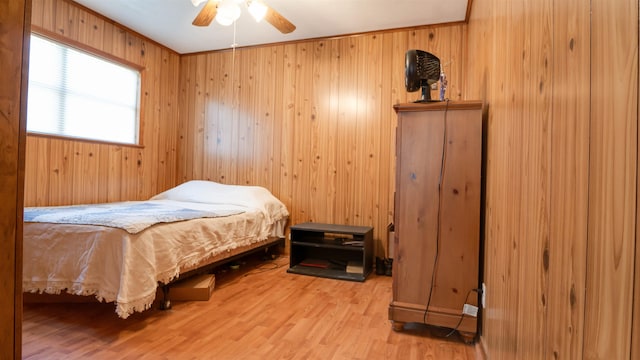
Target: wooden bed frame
[
  {"x": 217, "y": 261},
  {"x": 270, "y": 246}
]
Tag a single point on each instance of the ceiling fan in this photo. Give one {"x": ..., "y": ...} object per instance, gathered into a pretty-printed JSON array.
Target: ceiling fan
[{"x": 227, "y": 11}]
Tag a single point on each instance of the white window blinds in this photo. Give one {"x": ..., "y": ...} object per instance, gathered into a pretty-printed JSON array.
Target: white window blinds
[{"x": 77, "y": 94}]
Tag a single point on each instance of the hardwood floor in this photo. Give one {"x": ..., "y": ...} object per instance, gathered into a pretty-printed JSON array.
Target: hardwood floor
[{"x": 257, "y": 312}]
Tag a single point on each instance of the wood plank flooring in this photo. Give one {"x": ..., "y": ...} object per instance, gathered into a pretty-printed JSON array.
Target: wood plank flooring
[{"x": 257, "y": 312}]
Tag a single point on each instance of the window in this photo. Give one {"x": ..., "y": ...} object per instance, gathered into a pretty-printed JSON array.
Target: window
[{"x": 76, "y": 94}]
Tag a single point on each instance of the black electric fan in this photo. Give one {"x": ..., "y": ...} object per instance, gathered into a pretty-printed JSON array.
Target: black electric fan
[{"x": 422, "y": 69}]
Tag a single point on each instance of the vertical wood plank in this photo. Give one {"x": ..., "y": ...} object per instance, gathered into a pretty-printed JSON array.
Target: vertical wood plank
[
  {"x": 38, "y": 11},
  {"x": 373, "y": 125},
  {"x": 225, "y": 130},
  {"x": 535, "y": 164},
  {"x": 387, "y": 145},
  {"x": 322, "y": 137},
  {"x": 635, "y": 330},
  {"x": 114, "y": 176},
  {"x": 612, "y": 180},
  {"x": 183, "y": 103},
  {"x": 267, "y": 135},
  {"x": 287, "y": 125},
  {"x": 43, "y": 164},
  {"x": 246, "y": 66},
  {"x": 196, "y": 158},
  {"x": 152, "y": 132},
  {"x": 278, "y": 64},
  {"x": 61, "y": 20},
  {"x": 33, "y": 149},
  {"x": 102, "y": 185},
  {"x": 567, "y": 252},
  {"x": 170, "y": 117},
  {"x": 301, "y": 145},
  {"x": 347, "y": 134},
  {"x": 211, "y": 117}
]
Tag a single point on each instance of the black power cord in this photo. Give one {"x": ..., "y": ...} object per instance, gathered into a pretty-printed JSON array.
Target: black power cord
[
  {"x": 462, "y": 315},
  {"x": 436, "y": 256}
]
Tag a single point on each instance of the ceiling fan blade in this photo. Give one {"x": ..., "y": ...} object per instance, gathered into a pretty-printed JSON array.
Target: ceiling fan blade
[
  {"x": 206, "y": 15},
  {"x": 278, "y": 21}
]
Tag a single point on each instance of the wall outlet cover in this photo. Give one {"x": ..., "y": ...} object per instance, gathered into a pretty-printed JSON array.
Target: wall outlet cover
[
  {"x": 484, "y": 295},
  {"x": 470, "y": 310}
]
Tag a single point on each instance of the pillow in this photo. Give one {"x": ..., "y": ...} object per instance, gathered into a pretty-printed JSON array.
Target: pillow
[{"x": 210, "y": 192}]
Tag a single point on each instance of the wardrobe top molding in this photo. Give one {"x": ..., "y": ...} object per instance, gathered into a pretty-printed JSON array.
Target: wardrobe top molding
[{"x": 439, "y": 106}]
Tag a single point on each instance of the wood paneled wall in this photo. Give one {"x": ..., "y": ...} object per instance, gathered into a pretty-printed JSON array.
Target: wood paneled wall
[
  {"x": 561, "y": 82},
  {"x": 612, "y": 179},
  {"x": 60, "y": 172},
  {"x": 312, "y": 121},
  {"x": 14, "y": 27}
]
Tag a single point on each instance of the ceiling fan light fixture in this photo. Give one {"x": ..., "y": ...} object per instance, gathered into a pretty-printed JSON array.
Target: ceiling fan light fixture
[
  {"x": 257, "y": 9},
  {"x": 197, "y": 2},
  {"x": 228, "y": 12}
]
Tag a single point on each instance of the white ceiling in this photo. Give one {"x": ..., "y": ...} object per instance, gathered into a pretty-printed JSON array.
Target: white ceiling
[{"x": 168, "y": 22}]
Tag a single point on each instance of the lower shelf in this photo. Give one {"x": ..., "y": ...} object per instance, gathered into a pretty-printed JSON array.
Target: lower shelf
[{"x": 326, "y": 273}]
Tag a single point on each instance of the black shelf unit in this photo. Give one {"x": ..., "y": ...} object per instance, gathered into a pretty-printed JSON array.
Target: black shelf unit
[{"x": 331, "y": 251}]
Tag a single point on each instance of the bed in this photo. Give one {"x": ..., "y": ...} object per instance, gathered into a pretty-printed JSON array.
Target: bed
[{"x": 117, "y": 254}]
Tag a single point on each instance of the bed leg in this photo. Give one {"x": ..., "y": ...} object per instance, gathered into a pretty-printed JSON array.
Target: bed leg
[
  {"x": 268, "y": 255},
  {"x": 166, "y": 303},
  {"x": 272, "y": 252}
]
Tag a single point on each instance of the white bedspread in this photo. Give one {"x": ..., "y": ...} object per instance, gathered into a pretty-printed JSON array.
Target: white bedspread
[
  {"x": 117, "y": 266},
  {"x": 132, "y": 216}
]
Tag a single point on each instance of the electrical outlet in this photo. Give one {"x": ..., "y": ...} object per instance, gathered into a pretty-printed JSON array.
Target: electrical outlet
[
  {"x": 484, "y": 296},
  {"x": 470, "y": 310}
]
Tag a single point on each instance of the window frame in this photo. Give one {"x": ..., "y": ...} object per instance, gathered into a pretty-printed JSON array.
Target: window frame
[{"x": 76, "y": 45}]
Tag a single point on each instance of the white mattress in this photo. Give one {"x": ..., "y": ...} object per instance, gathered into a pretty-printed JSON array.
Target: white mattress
[{"x": 125, "y": 268}]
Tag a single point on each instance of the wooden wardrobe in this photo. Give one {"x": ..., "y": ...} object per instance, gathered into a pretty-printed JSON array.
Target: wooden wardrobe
[{"x": 436, "y": 260}]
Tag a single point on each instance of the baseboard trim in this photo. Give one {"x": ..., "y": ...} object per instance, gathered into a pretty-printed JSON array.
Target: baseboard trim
[{"x": 481, "y": 349}]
